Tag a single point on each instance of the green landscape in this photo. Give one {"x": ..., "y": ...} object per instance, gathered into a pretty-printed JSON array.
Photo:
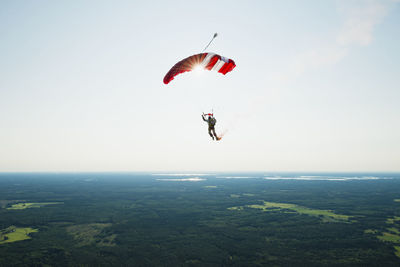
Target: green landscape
[
  {"x": 27, "y": 205},
  {"x": 135, "y": 220},
  {"x": 90, "y": 234},
  {"x": 325, "y": 215},
  {"x": 14, "y": 234}
]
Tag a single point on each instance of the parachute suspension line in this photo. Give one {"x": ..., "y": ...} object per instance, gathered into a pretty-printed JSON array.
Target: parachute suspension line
[{"x": 215, "y": 35}]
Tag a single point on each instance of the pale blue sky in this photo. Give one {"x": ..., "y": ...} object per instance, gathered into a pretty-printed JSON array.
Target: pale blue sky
[{"x": 316, "y": 87}]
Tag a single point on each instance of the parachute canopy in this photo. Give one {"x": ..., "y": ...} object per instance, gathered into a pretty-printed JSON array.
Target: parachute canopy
[{"x": 209, "y": 61}]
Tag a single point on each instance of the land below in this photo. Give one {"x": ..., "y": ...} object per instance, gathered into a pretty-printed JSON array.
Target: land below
[{"x": 96, "y": 219}]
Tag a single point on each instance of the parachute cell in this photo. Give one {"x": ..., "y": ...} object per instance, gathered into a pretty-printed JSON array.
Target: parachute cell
[{"x": 209, "y": 61}]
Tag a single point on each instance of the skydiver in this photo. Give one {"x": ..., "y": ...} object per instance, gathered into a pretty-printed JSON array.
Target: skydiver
[{"x": 211, "y": 121}]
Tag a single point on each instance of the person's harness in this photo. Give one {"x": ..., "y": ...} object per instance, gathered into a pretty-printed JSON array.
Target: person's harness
[{"x": 211, "y": 122}]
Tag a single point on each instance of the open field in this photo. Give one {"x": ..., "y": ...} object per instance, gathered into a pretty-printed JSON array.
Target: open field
[
  {"x": 393, "y": 234},
  {"x": 29, "y": 205},
  {"x": 14, "y": 234},
  {"x": 4, "y": 203},
  {"x": 397, "y": 248},
  {"x": 325, "y": 215},
  {"x": 389, "y": 237},
  {"x": 395, "y": 219},
  {"x": 394, "y": 230}
]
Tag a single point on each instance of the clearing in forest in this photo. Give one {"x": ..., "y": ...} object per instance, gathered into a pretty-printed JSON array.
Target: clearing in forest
[
  {"x": 325, "y": 215},
  {"x": 93, "y": 233},
  {"x": 28, "y": 205},
  {"x": 14, "y": 234}
]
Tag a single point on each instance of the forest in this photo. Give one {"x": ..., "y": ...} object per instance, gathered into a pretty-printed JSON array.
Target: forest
[{"x": 141, "y": 219}]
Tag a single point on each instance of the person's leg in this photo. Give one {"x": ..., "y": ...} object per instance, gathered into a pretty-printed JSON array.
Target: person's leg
[
  {"x": 215, "y": 134},
  {"x": 209, "y": 132}
]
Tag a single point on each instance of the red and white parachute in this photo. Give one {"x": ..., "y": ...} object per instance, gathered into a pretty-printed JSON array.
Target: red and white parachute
[{"x": 209, "y": 61}]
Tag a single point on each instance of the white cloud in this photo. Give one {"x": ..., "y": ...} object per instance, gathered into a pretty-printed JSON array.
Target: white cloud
[{"x": 361, "y": 19}]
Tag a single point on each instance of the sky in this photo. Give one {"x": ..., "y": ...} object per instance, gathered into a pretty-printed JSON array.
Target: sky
[{"x": 316, "y": 86}]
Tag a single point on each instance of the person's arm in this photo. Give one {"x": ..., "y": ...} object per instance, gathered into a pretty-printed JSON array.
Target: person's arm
[{"x": 203, "y": 118}]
